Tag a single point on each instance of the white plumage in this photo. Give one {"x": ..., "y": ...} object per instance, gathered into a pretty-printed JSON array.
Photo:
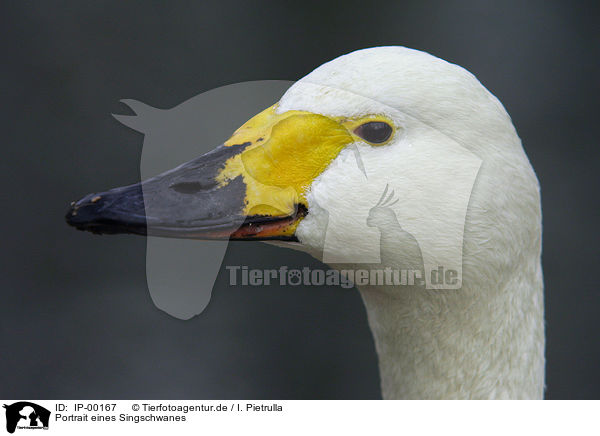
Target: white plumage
[
  {"x": 449, "y": 185},
  {"x": 485, "y": 340}
]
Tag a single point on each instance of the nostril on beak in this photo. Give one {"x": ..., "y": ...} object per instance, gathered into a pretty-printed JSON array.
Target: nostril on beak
[{"x": 191, "y": 187}]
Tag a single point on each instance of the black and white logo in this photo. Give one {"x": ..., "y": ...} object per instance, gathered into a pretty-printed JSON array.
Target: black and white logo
[{"x": 26, "y": 415}]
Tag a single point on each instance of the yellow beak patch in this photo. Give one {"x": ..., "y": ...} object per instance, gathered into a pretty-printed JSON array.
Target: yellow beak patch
[{"x": 284, "y": 153}]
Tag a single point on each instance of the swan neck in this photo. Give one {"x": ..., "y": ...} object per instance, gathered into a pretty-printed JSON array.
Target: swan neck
[{"x": 456, "y": 344}]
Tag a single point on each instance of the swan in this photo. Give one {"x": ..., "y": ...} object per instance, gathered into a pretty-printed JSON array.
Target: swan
[{"x": 382, "y": 157}]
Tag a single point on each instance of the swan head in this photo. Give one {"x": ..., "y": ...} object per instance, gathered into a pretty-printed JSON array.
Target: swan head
[{"x": 311, "y": 169}]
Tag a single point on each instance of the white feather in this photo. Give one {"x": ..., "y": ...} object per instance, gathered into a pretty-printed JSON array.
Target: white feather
[{"x": 486, "y": 339}]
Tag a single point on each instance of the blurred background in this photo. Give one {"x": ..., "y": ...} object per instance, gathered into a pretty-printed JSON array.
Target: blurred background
[{"x": 76, "y": 319}]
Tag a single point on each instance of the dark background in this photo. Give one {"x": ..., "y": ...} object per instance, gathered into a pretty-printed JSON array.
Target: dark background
[{"x": 76, "y": 319}]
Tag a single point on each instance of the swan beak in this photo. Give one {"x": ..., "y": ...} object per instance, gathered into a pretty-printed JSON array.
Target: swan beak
[{"x": 250, "y": 188}]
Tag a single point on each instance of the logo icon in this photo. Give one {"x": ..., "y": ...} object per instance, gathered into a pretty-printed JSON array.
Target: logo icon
[
  {"x": 26, "y": 415},
  {"x": 407, "y": 220}
]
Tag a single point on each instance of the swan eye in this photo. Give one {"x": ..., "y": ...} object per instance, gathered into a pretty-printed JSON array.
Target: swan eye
[{"x": 375, "y": 132}]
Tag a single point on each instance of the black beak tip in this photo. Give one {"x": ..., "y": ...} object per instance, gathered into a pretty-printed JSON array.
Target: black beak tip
[
  {"x": 97, "y": 213},
  {"x": 83, "y": 213}
]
